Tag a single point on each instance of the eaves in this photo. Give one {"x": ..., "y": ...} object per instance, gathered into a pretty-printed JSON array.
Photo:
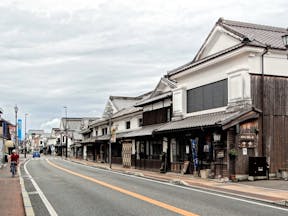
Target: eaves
[{"x": 214, "y": 59}]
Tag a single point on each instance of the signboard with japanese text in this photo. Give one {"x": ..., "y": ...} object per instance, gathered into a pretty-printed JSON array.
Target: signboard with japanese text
[{"x": 248, "y": 134}]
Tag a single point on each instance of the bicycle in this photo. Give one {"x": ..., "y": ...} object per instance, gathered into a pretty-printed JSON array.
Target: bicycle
[{"x": 13, "y": 168}]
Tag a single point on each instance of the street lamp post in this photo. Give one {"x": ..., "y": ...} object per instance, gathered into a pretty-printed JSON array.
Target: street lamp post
[
  {"x": 66, "y": 133},
  {"x": 25, "y": 142},
  {"x": 110, "y": 156},
  {"x": 16, "y": 135}
]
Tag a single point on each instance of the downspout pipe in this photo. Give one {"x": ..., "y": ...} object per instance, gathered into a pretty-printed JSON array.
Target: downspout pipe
[{"x": 262, "y": 99}]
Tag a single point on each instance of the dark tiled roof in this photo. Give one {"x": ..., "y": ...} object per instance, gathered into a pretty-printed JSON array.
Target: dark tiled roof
[
  {"x": 126, "y": 111},
  {"x": 85, "y": 131},
  {"x": 103, "y": 138},
  {"x": 261, "y": 34},
  {"x": 89, "y": 140},
  {"x": 121, "y": 102},
  {"x": 257, "y": 35},
  {"x": 121, "y": 135},
  {"x": 144, "y": 131},
  {"x": 154, "y": 99},
  {"x": 212, "y": 119},
  {"x": 196, "y": 121}
]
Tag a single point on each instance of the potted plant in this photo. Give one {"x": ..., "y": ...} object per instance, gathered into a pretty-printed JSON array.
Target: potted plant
[{"x": 233, "y": 153}]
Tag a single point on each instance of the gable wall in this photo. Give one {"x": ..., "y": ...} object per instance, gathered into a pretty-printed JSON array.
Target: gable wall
[{"x": 220, "y": 41}]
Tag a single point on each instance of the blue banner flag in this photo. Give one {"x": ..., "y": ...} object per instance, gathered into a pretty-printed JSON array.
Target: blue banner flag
[
  {"x": 194, "y": 153},
  {"x": 19, "y": 131},
  {"x": 4, "y": 126}
]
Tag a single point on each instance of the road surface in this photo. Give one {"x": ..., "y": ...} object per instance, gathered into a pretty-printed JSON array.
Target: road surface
[{"x": 59, "y": 187}]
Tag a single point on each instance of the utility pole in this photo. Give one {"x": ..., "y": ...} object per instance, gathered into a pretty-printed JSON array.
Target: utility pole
[
  {"x": 16, "y": 135},
  {"x": 66, "y": 132},
  {"x": 25, "y": 141},
  {"x": 2, "y": 159},
  {"x": 110, "y": 113}
]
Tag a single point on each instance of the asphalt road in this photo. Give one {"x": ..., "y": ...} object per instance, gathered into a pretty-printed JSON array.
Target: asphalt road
[{"x": 74, "y": 189}]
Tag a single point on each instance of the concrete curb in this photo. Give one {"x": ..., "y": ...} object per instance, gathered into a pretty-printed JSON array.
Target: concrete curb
[{"x": 26, "y": 200}]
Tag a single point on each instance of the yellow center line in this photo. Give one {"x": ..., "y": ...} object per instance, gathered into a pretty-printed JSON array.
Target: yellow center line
[{"x": 130, "y": 193}]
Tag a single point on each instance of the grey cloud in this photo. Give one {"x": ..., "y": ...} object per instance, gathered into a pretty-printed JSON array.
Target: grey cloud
[{"x": 78, "y": 58}]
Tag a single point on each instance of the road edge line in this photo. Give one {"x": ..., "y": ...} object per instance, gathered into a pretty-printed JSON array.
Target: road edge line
[
  {"x": 47, "y": 204},
  {"x": 25, "y": 197}
]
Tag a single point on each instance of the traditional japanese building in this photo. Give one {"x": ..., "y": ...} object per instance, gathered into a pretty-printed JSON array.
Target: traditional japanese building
[{"x": 230, "y": 105}]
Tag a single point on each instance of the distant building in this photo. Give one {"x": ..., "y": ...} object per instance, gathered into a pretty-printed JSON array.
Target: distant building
[{"x": 35, "y": 141}]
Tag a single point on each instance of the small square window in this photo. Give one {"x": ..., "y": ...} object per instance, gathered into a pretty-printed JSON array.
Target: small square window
[
  {"x": 128, "y": 125},
  {"x": 104, "y": 131},
  {"x": 140, "y": 122}
]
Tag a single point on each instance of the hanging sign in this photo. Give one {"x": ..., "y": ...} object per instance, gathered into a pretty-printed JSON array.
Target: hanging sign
[
  {"x": 244, "y": 151},
  {"x": 113, "y": 135},
  {"x": 187, "y": 149}
]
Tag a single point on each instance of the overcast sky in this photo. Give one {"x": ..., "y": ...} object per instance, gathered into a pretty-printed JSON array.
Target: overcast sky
[{"x": 76, "y": 53}]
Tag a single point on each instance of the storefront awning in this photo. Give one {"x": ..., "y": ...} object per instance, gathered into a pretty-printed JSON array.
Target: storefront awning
[
  {"x": 89, "y": 140},
  {"x": 121, "y": 135},
  {"x": 103, "y": 138},
  {"x": 221, "y": 119}
]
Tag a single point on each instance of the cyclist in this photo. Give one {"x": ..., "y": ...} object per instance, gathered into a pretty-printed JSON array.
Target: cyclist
[{"x": 14, "y": 158}]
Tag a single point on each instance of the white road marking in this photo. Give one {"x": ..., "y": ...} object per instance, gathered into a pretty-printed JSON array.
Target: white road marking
[
  {"x": 49, "y": 207},
  {"x": 193, "y": 189}
]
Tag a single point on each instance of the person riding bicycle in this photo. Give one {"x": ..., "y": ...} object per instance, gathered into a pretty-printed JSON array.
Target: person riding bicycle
[{"x": 14, "y": 160}]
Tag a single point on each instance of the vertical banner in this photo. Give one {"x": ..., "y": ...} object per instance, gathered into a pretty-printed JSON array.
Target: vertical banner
[
  {"x": 113, "y": 135},
  {"x": 19, "y": 131},
  {"x": 4, "y": 126},
  {"x": 194, "y": 153}
]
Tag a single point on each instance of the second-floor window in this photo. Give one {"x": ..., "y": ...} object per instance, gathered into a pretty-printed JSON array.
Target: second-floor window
[
  {"x": 140, "y": 122},
  {"x": 128, "y": 125},
  {"x": 208, "y": 96},
  {"x": 104, "y": 131},
  {"x": 156, "y": 116}
]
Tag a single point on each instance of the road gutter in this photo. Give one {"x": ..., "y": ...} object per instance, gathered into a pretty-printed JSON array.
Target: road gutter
[{"x": 25, "y": 196}]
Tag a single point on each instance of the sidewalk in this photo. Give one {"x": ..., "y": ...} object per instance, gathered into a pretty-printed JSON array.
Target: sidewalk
[
  {"x": 10, "y": 193},
  {"x": 272, "y": 195}
]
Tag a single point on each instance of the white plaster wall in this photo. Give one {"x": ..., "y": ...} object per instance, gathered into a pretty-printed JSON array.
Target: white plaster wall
[
  {"x": 147, "y": 108},
  {"x": 212, "y": 73},
  {"x": 235, "y": 68},
  {"x": 51, "y": 141},
  {"x": 179, "y": 101},
  {"x": 239, "y": 85},
  {"x": 94, "y": 131},
  {"x": 157, "y": 105},
  {"x": 220, "y": 41},
  {"x": 121, "y": 124},
  {"x": 274, "y": 64},
  {"x": 167, "y": 102}
]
